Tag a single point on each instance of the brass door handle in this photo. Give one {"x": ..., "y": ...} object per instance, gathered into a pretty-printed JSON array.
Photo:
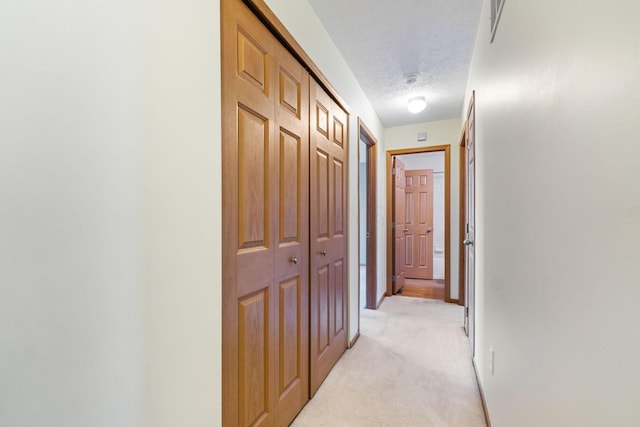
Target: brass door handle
[
  {"x": 294, "y": 259},
  {"x": 323, "y": 253},
  {"x": 429, "y": 230}
]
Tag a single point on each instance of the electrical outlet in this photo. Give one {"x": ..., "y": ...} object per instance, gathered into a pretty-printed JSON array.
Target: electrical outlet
[{"x": 491, "y": 359}]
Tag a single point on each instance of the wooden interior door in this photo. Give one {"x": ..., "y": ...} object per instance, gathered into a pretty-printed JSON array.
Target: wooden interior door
[
  {"x": 398, "y": 227},
  {"x": 328, "y": 228},
  {"x": 418, "y": 224},
  {"x": 470, "y": 225},
  {"x": 266, "y": 221}
]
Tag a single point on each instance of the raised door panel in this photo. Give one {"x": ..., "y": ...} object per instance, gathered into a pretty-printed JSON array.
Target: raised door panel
[
  {"x": 339, "y": 300},
  {"x": 321, "y": 201},
  {"x": 290, "y": 343},
  {"x": 409, "y": 220},
  {"x": 338, "y": 246},
  {"x": 322, "y": 118},
  {"x": 253, "y": 62},
  {"x": 321, "y": 315},
  {"x": 253, "y": 180},
  {"x": 253, "y": 343},
  {"x": 290, "y": 188},
  {"x": 338, "y": 198},
  {"x": 292, "y": 90}
]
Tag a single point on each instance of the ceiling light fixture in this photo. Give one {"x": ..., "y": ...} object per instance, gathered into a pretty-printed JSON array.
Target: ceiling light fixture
[{"x": 417, "y": 104}]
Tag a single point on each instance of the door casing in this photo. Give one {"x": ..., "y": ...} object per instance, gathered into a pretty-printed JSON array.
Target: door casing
[
  {"x": 446, "y": 149},
  {"x": 469, "y": 215},
  {"x": 463, "y": 206},
  {"x": 370, "y": 141}
]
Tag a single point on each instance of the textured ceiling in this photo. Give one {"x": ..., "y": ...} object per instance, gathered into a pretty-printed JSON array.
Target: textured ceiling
[{"x": 383, "y": 40}]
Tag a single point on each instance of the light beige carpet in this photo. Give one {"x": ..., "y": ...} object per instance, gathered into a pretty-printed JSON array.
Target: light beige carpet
[{"x": 410, "y": 367}]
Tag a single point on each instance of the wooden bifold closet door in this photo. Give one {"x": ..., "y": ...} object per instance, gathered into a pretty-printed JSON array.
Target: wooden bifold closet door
[
  {"x": 328, "y": 234},
  {"x": 265, "y": 226},
  {"x": 275, "y": 308}
]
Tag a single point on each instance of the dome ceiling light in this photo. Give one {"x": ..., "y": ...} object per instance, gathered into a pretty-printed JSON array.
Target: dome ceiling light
[{"x": 417, "y": 103}]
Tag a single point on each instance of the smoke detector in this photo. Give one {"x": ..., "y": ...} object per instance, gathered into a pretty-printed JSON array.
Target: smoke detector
[{"x": 411, "y": 78}]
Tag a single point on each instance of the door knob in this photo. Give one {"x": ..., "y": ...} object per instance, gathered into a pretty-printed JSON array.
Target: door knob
[
  {"x": 467, "y": 242},
  {"x": 294, "y": 259},
  {"x": 406, "y": 230},
  {"x": 323, "y": 253},
  {"x": 429, "y": 230}
]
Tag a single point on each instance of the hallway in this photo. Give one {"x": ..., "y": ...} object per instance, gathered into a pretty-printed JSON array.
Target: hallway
[{"x": 411, "y": 366}]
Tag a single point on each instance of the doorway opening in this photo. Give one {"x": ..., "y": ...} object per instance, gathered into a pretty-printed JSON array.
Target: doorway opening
[
  {"x": 418, "y": 222},
  {"x": 423, "y": 226},
  {"x": 367, "y": 254}
]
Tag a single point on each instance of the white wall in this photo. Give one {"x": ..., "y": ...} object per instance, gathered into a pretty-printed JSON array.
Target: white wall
[
  {"x": 444, "y": 132},
  {"x": 71, "y": 238},
  {"x": 558, "y": 203},
  {"x": 183, "y": 200},
  {"x": 110, "y": 213},
  {"x": 430, "y": 160},
  {"x": 435, "y": 162},
  {"x": 301, "y": 21}
]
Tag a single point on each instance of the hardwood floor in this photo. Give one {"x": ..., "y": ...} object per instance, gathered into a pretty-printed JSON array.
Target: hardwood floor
[{"x": 418, "y": 288}]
